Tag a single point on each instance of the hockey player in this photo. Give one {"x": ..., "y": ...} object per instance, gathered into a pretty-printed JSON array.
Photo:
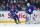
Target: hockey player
[
  {"x": 30, "y": 15},
  {"x": 13, "y": 15}
]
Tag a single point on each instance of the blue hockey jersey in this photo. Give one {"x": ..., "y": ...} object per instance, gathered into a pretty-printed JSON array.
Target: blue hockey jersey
[
  {"x": 13, "y": 12},
  {"x": 30, "y": 9}
]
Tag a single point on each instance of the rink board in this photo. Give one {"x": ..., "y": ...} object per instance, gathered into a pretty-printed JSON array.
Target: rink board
[{"x": 5, "y": 16}]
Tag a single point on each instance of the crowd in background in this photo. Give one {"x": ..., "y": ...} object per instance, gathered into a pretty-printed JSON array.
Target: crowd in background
[{"x": 5, "y": 5}]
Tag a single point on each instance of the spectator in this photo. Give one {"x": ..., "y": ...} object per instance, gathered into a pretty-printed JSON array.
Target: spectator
[
  {"x": 15, "y": 3},
  {"x": 2, "y": 6},
  {"x": 13, "y": 6},
  {"x": 20, "y": 2},
  {"x": 24, "y": 7},
  {"x": 7, "y": 8},
  {"x": 25, "y": 3},
  {"x": 37, "y": 4},
  {"x": 4, "y": 3},
  {"x": 32, "y": 2},
  {"x": 19, "y": 7},
  {"x": 10, "y": 4}
]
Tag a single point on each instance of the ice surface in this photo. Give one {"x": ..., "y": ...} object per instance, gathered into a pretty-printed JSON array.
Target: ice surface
[{"x": 18, "y": 25}]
